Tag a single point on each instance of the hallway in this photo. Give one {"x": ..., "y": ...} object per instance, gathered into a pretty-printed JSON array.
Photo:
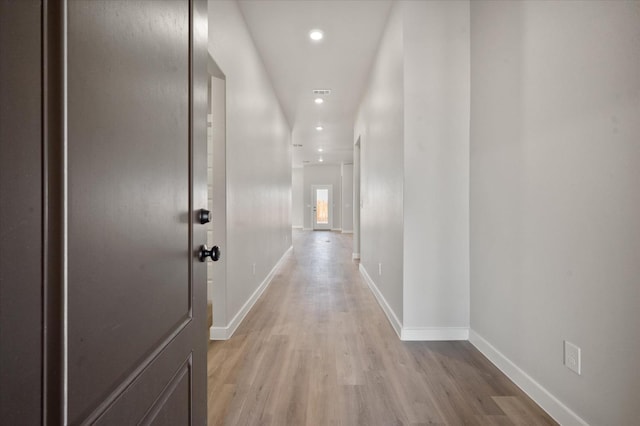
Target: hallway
[{"x": 317, "y": 349}]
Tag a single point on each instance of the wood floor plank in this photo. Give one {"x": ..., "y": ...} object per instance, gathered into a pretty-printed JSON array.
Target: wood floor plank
[
  {"x": 316, "y": 349},
  {"x": 518, "y": 411}
]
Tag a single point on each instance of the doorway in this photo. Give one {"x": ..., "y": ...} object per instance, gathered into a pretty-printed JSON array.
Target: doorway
[
  {"x": 217, "y": 196},
  {"x": 322, "y": 207},
  {"x": 357, "y": 203}
]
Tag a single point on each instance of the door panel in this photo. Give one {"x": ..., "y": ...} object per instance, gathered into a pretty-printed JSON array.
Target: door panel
[
  {"x": 131, "y": 282},
  {"x": 174, "y": 405},
  {"x": 141, "y": 396}
]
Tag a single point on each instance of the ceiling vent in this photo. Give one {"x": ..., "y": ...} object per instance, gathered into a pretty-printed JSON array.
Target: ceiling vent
[
  {"x": 323, "y": 92},
  {"x": 297, "y": 145},
  {"x": 306, "y": 161}
]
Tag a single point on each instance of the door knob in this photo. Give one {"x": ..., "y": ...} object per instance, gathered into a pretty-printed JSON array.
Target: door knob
[
  {"x": 205, "y": 216},
  {"x": 214, "y": 253}
]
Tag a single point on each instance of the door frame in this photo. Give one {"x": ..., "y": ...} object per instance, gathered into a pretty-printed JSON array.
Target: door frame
[
  {"x": 217, "y": 184},
  {"x": 357, "y": 203},
  {"x": 314, "y": 225}
]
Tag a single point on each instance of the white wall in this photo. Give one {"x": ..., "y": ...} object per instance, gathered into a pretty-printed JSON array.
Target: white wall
[
  {"x": 379, "y": 125},
  {"x": 297, "y": 202},
  {"x": 555, "y": 196},
  {"x": 414, "y": 124},
  {"x": 322, "y": 175},
  {"x": 258, "y": 160},
  {"x": 436, "y": 165},
  {"x": 347, "y": 198}
]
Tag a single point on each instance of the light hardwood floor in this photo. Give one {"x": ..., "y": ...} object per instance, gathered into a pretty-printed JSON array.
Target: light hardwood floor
[{"x": 316, "y": 349}]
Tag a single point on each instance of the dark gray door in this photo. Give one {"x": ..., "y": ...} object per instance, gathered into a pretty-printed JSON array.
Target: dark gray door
[
  {"x": 136, "y": 327},
  {"x": 122, "y": 295},
  {"x": 20, "y": 213}
]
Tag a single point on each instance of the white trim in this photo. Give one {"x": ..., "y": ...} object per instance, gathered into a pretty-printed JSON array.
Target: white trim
[
  {"x": 355, "y": 256},
  {"x": 391, "y": 316},
  {"x": 424, "y": 334},
  {"x": 219, "y": 333},
  {"x": 307, "y": 229},
  {"x": 545, "y": 399},
  {"x": 412, "y": 333},
  {"x": 337, "y": 229},
  {"x": 225, "y": 333},
  {"x": 347, "y": 232},
  {"x": 296, "y": 226}
]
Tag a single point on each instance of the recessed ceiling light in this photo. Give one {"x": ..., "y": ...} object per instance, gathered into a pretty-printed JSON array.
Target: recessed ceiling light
[
  {"x": 319, "y": 101},
  {"x": 321, "y": 160},
  {"x": 316, "y": 35},
  {"x": 320, "y": 150},
  {"x": 319, "y": 128}
]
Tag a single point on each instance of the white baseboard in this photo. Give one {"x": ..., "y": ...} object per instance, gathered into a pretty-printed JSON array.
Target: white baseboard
[
  {"x": 225, "y": 333},
  {"x": 337, "y": 229},
  {"x": 307, "y": 229},
  {"x": 549, "y": 403},
  {"x": 391, "y": 316},
  {"x": 219, "y": 333},
  {"x": 413, "y": 333},
  {"x": 296, "y": 226},
  {"x": 347, "y": 232},
  {"x": 355, "y": 256},
  {"x": 423, "y": 334}
]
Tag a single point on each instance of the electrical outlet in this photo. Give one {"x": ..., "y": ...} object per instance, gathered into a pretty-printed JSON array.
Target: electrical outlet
[
  {"x": 572, "y": 357},
  {"x": 380, "y": 268},
  {"x": 253, "y": 267}
]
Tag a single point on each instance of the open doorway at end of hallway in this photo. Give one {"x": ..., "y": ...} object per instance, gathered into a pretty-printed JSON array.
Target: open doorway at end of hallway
[{"x": 322, "y": 207}]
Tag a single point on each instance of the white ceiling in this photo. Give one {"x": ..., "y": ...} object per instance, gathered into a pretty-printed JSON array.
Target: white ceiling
[{"x": 297, "y": 65}]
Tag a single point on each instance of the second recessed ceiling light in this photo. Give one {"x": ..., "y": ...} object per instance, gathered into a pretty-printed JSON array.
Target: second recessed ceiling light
[
  {"x": 319, "y": 128},
  {"x": 319, "y": 101},
  {"x": 316, "y": 35}
]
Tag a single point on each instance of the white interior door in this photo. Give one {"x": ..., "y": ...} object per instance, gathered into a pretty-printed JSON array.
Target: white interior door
[{"x": 322, "y": 206}]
